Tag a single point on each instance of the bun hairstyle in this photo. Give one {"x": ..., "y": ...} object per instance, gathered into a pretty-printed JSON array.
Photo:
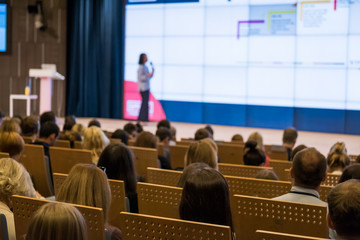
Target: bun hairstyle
[
  {"x": 253, "y": 156},
  {"x": 337, "y": 157}
]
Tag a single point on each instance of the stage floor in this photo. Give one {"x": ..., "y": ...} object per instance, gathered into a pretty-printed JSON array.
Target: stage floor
[{"x": 321, "y": 141}]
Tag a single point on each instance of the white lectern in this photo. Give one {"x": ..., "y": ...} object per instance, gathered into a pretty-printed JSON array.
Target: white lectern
[{"x": 46, "y": 75}]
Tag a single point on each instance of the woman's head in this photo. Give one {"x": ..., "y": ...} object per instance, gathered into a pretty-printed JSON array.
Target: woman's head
[
  {"x": 252, "y": 155},
  {"x": 57, "y": 221},
  {"x": 337, "y": 158},
  {"x": 78, "y": 127},
  {"x": 118, "y": 161},
  {"x": 12, "y": 143},
  {"x": 256, "y": 136},
  {"x": 203, "y": 151},
  {"x": 143, "y": 58},
  {"x": 237, "y": 138},
  {"x": 86, "y": 185},
  {"x": 14, "y": 180},
  {"x": 146, "y": 139},
  {"x": 205, "y": 196},
  {"x": 267, "y": 174},
  {"x": 10, "y": 125},
  {"x": 95, "y": 140}
]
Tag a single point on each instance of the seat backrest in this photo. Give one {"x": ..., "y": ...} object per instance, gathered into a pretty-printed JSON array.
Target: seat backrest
[
  {"x": 163, "y": 176},
  {"x": 253, "y": 213},
  {"x": 118, "y": 196},
  {"x": 78, "y": 145},
  {"x": 231, "y": 153},
  {"x": 35, "y": 162},
  {"x": 257, "y": 187},
  {"x": 115, "y": 140},
  {"x": 144, "y": 158},
  {"x": 63, "y": 159},
  {"x": 177, "y": 155},
  {"x": 240, "y": 170},
  {"x": 25, "y": 207},
  {"x": 4, "y": 235},
  {"x": 184, "y": 143},
  {"x": 267, "y": 235},
  {"x": 159, "y": 200},
  {"x": 279, "y": 166},
  {"x": 62, "y": 143},
  {"x": 4, "y": 155},
  {"x": 276, "y": 152},
  {"x": 27, "y": 140},
  {"x": 139, "y": 226},
  {"x": 331, "y": 179}
]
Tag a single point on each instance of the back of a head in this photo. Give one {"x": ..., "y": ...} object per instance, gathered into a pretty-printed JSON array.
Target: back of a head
[
  {"x": 95, "y": 140},
  {"x": 95, "y": 123},
  {"x": 14, "y": 180},
  {"x": 205, "y": 197},
  {"x": 296, "y": 150},
  {"x": 344, "y": 209},
  {"x": 70, "y": 121},
  {"x": 117, "y": 159},
  {"x": 139, "y": 127},
  {"x": 201, "y": 134},
  {"x": 48, "y": 128},
  {"x": 30, "y": 126},
  {"x": 86, "y": 185},
  {"x": 337, "y": 158},
  {"x": 202, "y": 151},
  {"x": 309, "y": 167},
  {"x": 162, "y": 133},
  {"x": 267, "y": 174},
  {"x": 78, "y": 127},
  {"x": 122, "y": 135},
  {"x": 210, "y": 130},
  {"x": 253, "y": 156},
  {"x": 10, "y": 125},
  {"x": 289, "y": 135},
  {"x": 173, "y": 133},
  {"x": 237, "y": 138},
  {"x": 146, "y": 139},
  {"x": 256, "y": 136},
  {"x": 12, "y": 143},
  {"x": 130, "y": 128},
  {"x": 350, "y": 172},
  {"x": 57, "y": 221},
  {"x": 164, "y": 123},
  {"x": 47, "y": 117}
]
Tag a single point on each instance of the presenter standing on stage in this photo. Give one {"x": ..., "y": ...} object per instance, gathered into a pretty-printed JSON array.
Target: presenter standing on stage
[{"x": 144, "y": 77}]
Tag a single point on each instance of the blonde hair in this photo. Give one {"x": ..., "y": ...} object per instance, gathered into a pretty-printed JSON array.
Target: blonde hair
[
  {"x": 256, "y": 136},
  {"x": 86, "y": 185},
  {"x": 10, "y": 125},
  {"x": 14, "y": 180},
  {"x": 12, "y": 143},
  {"x": 57, "y": 221},
  {"x": 95, "y": 140},
  {"x": 78, "y": 127},
  {"x": 203, "y": 151},
  {"x": 337, "y": 157}
]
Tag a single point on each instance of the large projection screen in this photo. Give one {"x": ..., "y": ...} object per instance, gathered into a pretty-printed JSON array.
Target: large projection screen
[{"x": 292, "y": 54}]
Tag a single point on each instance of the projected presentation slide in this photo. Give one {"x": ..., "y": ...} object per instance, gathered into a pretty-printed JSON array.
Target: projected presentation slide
[
  {"x": 299, "y": 53},
  {"x": 3, "y": 12}
]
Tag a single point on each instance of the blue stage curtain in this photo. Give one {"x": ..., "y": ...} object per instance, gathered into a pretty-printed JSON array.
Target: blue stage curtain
[{"x": 95, "y": 58}]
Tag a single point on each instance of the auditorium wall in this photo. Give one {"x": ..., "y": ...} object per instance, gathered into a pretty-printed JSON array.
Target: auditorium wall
[{"x": 29, "y": 49}]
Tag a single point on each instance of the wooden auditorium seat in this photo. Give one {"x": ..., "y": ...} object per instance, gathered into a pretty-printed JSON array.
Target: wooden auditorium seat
[
  {"x": 27, "y": 140},
  {"x": 267, "y": 235},
  {"x": 25, "y": 207},
  {"x": 78, "y": 145},
  {"x": 144, "y": 158},
  {"x": 231, "y": 153},
  {"x": 276, "y": 152},
  {"x": 139, "y": 226},
  {"x": 118, "y": 196},
  {"x": 177, "y": 156},
  {"x": 184, "y": 143},
  {"x": 37, "y": 165},
  {"x": 115, "y": 140},
  {"x": 159, "y": 200},
  {"x": 253, "y": 213},
  {"x": 279, "y": 166},
  {"x": 330, "y": 180},
  {"x": 4, "y": 155},
  {"x": 63, "y": 159},
  {"x": 62, "y": 143},
  {"x": 240, "y": 170},
  {"x": 163, "y": 176}
]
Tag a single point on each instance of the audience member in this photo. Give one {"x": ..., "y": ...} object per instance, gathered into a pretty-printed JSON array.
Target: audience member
[
  {"x": 350, "y": 172},
  {"x": 14, "y": 180},
  {"x": 95, "y": 123},
  {"x": 88, "y": 185},
  {"x": 10, "y": 125},
  {"x": 289, "y": 140},
  {"x": 164, "y": 136},
  {"x": 139, "y": 127},
  {"x": 237, "y": 138},
  {"x": 57, "y": 221},
  {"x": 95, "y": 141},
  {"x": 204, "y": 151},
  {"x": 205, "y": 196},
  {"x": 164, "y": 123},
  {"x": 256, "y": 136},
  {"x": 173, "y": 135},
  {"x": 337, "y": 158},
  {"x": 30, "y": 127},
  {"x": 12, "y": 143},
  {"x": 79, "y": 128},
  {"x": 296, "y": 150},
  {"x": 70, "y": 121},
  {"x": 202, "y": 133},
  {"x": 267, "y": 174},
  {"x": 308, "y": 171},
  {"x": 253, "y": 156},
  {"x": 344, "y": 210},
  {"x": 49, "y": 132},
  {"x": 118, "y": 161},
  {"x": 47, "y": 117},
  {"x": 18, "y": 119},
  {"x": 211, "y": 131},
  {"x": 131, "y": 130},
  {"x": 71, "y": 136},
  {"x": 122, "y": 135}
]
